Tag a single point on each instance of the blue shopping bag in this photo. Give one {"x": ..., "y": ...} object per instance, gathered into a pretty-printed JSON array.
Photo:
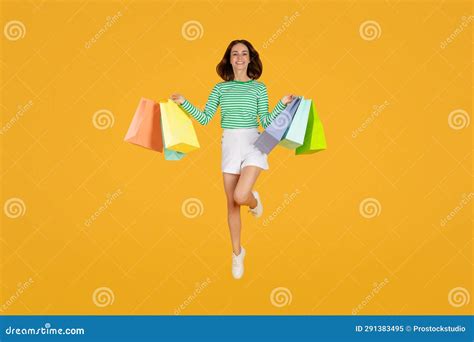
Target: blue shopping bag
[
  {"x": 294, "y": 136},
  {"x": 173, "y": 155}
]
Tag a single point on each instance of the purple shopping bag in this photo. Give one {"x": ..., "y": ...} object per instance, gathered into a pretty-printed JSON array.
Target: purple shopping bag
[{"x": 272, "y": 135}]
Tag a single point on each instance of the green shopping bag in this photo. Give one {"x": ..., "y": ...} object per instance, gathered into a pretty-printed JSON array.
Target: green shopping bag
[{"x": 314, "y": 140}]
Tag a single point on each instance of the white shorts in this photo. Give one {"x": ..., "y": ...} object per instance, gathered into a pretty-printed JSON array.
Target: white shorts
[{"x": 238, "y": 150}]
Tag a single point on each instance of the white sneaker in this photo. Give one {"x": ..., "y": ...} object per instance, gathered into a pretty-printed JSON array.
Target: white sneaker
[
  {"x": 238, "y": 264},
  {"x": 258, "y": 210}
]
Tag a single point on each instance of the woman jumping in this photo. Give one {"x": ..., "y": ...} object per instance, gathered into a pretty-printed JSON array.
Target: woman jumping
[{"x": 243, "y": 102}]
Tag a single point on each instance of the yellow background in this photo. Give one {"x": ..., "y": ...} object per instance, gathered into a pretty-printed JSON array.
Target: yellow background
[{"x": 319, "y": 246}]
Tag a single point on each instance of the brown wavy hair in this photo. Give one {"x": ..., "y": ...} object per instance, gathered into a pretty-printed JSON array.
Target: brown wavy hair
[{"x": 254, "y": 69}]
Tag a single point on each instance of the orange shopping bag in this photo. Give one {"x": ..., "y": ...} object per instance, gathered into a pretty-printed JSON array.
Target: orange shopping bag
[{"x": 145, "y": 129}]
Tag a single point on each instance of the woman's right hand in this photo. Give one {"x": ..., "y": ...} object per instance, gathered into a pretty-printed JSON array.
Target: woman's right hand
[{"x": 177, "y": 98}]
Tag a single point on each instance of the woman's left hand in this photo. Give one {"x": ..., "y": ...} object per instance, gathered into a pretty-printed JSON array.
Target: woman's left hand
[{"x": 287, "y": 99}]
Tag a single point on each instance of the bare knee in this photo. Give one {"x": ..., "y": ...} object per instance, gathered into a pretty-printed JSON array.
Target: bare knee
[
  {"x": 231, "y": 205},
  {"x": 241, "y": 197}
]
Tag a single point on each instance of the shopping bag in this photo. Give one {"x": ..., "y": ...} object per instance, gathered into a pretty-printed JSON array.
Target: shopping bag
[
  {"x": 178, "y": 131},
  {"x": 266, "y": 142},
  {"x": 315, "y": 139},
  {"x": 294, "y": 136},
  {"x": 170, "y": 154},
  {"x": 145, "y": 129},
  {"x": 173, "y": 155},
  {"x": 272, "y": 135}
]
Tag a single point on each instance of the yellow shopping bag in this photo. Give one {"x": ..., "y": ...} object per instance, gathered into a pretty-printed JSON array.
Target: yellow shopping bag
[{"x": 178, "y": 131}]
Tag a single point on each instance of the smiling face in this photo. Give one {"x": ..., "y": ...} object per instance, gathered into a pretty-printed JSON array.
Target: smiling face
[{"x": 239, "y": 57}]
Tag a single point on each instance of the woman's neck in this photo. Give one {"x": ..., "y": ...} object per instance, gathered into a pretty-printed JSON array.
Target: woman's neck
[{"x": 241, "y": 76}]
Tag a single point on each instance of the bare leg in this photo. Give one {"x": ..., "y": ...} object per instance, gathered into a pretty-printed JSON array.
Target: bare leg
[
  {"x": 233, "y": 210},
  {"x": 243, "y": 191}
]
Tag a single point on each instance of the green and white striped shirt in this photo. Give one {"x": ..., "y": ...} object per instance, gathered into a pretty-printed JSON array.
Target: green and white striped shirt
[{"x": 242, "y": 104}]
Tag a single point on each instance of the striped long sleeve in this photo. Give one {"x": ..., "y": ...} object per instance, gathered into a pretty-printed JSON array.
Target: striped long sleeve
[
  {"x": 243, "y": 104},
  {"x": 266, "y": 118},
  {"x": 204, "y": 117}
]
